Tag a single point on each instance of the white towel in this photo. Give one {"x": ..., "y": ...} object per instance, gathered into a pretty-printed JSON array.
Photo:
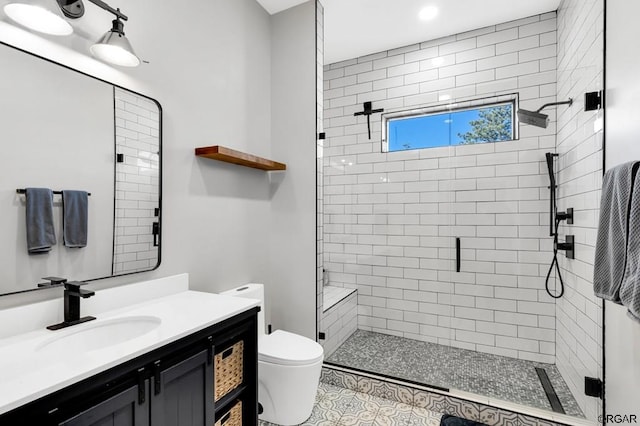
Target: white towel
[{"x": 611, "y": 245}]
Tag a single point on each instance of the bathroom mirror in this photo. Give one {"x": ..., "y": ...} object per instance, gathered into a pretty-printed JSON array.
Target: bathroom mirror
[{"x": 64, "y": 130}]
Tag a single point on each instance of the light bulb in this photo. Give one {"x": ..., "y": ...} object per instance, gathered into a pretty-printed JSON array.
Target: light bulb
[{"x": 39, "y": 17}]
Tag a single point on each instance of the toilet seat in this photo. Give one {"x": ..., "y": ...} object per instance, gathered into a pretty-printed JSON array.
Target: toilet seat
[{"x": 284, "y": 348}]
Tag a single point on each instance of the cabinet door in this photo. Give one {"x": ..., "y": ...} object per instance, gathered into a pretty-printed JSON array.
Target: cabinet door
[
  {"x": 183, "y": 393},
  {"x": 120, "y": 410}
]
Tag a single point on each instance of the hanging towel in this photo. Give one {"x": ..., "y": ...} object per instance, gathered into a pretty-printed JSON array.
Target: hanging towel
[
  {"x": 611, "y": 244},
  {"x": 449, "y": 420},
  {"x": 630, "y": 287},
  {"x": 75, "y": 212},
  {"x": 40, "y": 231}
]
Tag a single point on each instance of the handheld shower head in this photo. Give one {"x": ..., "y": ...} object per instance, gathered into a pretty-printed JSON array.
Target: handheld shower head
[
  {"x": 536, "y": 118},
  {"x": 552, "y": 177}
]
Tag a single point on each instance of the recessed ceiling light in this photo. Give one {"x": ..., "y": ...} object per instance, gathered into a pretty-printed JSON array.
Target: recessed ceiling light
[
  {"x": 444, "y": 97},
  {"x": 427, "y": 13}
]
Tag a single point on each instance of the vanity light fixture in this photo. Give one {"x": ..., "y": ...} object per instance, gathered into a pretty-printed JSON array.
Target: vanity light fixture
[
  {"x": 48, "y": 17},
  {"x": 43, "y": 16},
  {"x": 114, "y": 47}
]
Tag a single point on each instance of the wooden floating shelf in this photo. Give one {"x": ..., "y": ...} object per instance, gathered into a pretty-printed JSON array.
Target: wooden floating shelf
[{"x": 228, "y": 155}]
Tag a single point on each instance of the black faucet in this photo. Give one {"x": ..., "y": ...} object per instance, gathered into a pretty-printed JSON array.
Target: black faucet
[
  {"x": 72, "y": 295},
  {"x": 53, "y": 281}
]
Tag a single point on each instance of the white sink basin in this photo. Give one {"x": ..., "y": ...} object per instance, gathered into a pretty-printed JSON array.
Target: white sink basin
[{"x": 100, "y": 334}]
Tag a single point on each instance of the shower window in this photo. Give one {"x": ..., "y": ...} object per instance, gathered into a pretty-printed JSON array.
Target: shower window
[{"x": 470, "y": 122}]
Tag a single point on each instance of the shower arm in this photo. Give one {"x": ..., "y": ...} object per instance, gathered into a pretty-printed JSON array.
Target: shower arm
[{"x": 569, "y": 102}]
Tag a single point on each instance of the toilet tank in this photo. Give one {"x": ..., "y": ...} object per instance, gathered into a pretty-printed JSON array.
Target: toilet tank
[{"x": 251, "y": 291}]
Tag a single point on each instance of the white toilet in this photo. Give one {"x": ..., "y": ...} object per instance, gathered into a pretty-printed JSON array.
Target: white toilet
[{"x": 288, "y": 368}]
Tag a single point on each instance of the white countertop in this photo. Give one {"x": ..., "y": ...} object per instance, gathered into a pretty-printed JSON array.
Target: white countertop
[{"x": 26, "y": 374}]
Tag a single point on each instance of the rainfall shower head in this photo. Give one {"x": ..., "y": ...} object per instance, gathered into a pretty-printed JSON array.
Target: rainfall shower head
[
  {"x": 536, "y": 118},
  {"x": 533, "y": 118}
]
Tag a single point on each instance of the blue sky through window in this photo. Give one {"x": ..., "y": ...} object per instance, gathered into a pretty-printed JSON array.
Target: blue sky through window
[{"x": 428, "y": 131}]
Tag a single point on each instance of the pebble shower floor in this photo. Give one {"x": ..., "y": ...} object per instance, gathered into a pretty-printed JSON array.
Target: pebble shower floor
[{"x": 495, "y": 376}]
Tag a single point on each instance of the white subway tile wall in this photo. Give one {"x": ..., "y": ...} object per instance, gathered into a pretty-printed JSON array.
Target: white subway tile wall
[
  {"x": 390, "y": 218},
  {"x": 579, "y": 313},
  {"x": 339, "y": 322},
  {"x": 332, "y": 295},
  {"x": 137, "y": 182}
]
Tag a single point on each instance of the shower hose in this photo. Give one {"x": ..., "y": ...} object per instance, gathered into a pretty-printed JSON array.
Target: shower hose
[{"x": 555, "y": 262}]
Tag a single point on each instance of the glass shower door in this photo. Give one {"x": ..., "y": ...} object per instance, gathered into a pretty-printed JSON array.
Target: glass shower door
[
  {"x": 503, "y": 322},
  {"x": 421, "y": 292}
]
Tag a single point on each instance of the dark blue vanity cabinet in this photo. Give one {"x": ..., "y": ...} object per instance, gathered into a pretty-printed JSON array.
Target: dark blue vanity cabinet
[{"x": 170, "y": 386}]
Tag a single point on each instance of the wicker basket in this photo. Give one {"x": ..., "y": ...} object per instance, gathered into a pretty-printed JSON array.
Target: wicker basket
[
  {"x": 233, "y": 417},
  {"x": 228, "y": 369}
]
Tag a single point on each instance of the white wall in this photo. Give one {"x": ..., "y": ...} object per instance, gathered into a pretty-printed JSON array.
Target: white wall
[
  {"x": 212, "y": 77},
  {"x": 292, "y": 250},
  {"x": 622, "y": 335},
  {"x": 212, "y": 73},
  {"x": 340, "y": 320},
  {"x": 391, "y": 218}
]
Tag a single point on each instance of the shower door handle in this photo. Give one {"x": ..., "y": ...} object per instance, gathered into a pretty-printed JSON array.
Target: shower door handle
[
  {"x": 457, "y": 254},
  {"x": 155, "y": 230}
]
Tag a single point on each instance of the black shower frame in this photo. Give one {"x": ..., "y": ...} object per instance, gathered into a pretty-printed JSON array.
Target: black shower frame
[
  {"x": 604, "y": 164},
  {"x": 604, "y": 151}
]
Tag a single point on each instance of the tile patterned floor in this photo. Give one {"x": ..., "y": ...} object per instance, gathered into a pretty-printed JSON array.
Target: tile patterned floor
[
  {"x": 437, "y": 365},
  {"x": 432, "y": 401},
  {"x": 336, "y": 406}
]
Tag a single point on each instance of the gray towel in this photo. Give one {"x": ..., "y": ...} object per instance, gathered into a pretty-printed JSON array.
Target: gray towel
[
  {"x": 611, "y": 244},
  {"x": 75, "y": 211},
  {"x": 40, "y": 231},
  {"x": 630, "y": 287}
]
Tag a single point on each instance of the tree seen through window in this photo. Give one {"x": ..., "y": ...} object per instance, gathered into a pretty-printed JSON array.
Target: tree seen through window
[{"x": 469, "y": 126}]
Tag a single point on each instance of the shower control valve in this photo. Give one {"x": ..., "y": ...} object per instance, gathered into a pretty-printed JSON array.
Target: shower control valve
[
  {"x": 568, "y": 246},
  {"x": 568, "y": 216}
]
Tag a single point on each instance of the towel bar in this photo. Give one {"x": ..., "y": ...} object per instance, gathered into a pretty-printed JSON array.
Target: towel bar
[{"x": 24, "y": 191}]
